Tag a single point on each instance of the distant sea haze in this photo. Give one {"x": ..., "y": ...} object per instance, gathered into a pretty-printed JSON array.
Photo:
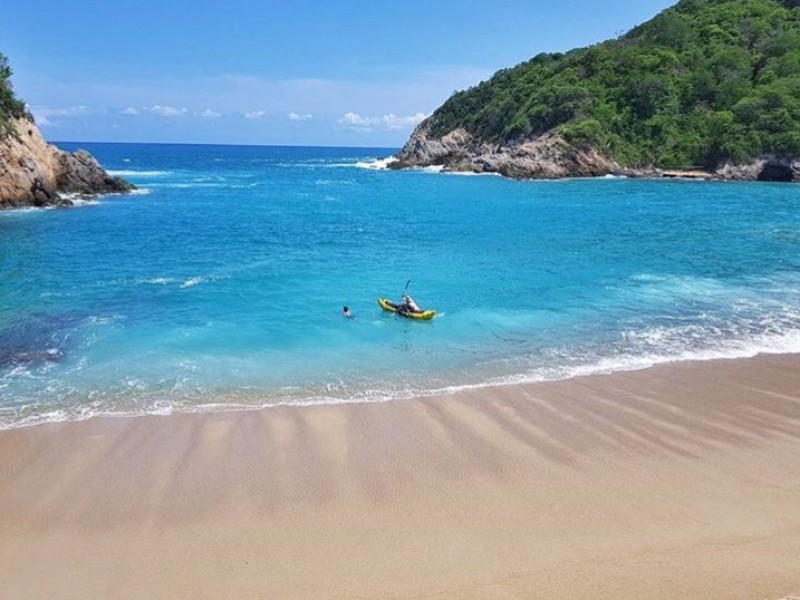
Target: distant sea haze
[{"x": 220, "y": 284}]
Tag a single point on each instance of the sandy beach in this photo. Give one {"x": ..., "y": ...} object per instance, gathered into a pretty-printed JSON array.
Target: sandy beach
[{"x": 679, "y": 481}]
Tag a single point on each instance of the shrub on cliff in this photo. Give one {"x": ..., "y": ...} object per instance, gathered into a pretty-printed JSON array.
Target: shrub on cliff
[
  {"x": 10, "y": 106},
  {"x": 704, "y": 82}
]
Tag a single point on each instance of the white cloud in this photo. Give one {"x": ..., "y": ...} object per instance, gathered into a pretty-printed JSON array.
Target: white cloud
[
  {"x": 166, "y": 111},
  {"x": 169, "y": 111},
  {"x": 293, "y": 116},
  {"x": 388, "y": 121},
  {"x": 392, "y": 121},
  {"x": 357, "y": 121},
  {"x": 255, "y": 115},
  {"x": 67, "y": 111},
  {"x": 42, "y": 114},
  {"x": 386, "y": 92}
]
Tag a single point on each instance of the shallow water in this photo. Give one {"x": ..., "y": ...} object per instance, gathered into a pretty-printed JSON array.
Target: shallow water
[{"x": 220, "y": 284}]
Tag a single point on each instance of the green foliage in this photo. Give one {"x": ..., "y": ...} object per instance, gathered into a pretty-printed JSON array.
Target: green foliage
[
  {"x": 704, "y": 82},
  {"x": 9, "y": 105}
]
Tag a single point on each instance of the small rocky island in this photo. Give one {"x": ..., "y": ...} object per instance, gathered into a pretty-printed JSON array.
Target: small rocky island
[
  {"x": 35, "y": 173},
  {"x": 706, "y": 89}
]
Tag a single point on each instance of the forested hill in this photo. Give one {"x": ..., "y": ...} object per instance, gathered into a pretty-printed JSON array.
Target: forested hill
[{"x": 705, "y": 82}]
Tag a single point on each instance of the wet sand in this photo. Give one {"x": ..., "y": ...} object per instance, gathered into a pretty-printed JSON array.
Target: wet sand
[{"x": 679, "y": 481}]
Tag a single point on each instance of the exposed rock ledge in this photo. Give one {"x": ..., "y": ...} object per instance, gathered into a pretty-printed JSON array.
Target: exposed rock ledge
[
  {"x": 551, "y": 156},
  {"x": 547, "y": 157},
  {"x": 34, "y": 173}
]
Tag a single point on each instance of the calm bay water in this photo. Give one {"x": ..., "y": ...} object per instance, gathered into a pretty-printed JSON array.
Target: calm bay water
[{"x": 221, "y": 284}]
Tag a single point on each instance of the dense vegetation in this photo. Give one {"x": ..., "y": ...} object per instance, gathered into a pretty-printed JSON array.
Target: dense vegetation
[
  {"x": 9, "y": 105},
  {"x": 704, "y": 82}
]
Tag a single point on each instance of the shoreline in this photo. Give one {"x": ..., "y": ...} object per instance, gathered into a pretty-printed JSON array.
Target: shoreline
[
  {"x": 679, "y": 480},
  {"x": 390, "y": 163},
  {"x": 631, "y": 174},
  {"x": 489, "y": 386}
]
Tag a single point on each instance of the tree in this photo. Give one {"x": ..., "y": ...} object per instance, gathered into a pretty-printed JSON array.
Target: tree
[
  {"x": 10, "y": 106},
  {"x": 706, "y": 81}
]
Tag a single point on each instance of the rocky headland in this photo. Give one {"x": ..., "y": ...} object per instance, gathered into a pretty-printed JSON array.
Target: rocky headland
[
  {"x": 552, "y": 156},
  {"x": 548, "y": 156},
  {"x": 666, "y": 99},
  {"x": 35, "y": 173}
]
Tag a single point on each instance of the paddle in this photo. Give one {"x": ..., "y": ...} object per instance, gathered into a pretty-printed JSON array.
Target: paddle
[
  {"x": 405, "y": 289},
  {"x": 400, "y": 307}
]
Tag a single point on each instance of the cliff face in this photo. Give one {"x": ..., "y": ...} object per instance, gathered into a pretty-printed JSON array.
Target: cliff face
[
  {"x": 548, "y": 156},
  {"x": 551, "y": 156},
  {"x": 34, "y": 173},
  {"x": 768, "y": 168}
]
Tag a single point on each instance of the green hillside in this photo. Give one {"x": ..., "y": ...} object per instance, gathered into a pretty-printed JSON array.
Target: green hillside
[
  {"x": 704, "y": 82},
  {"x": 9, "y": 105}
]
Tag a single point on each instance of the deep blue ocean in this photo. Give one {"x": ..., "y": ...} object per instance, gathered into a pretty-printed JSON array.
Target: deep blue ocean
[{"x": 220, "y": 284}]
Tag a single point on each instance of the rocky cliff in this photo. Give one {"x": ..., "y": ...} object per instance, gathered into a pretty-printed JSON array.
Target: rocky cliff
[
  {"x": 548, "y": 156},
  {"x": 35, "y": 173},
  {"x": 551, "y": 156}
]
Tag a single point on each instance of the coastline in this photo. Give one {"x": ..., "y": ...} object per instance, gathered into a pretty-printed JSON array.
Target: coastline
[
  {"x": 679, "y": 480},
  {"x": 647, "y": 174},
  {"x": 746, "y": 174},
  {"x": 40, "y": 175},
  {"x": 552, "y": 156}
]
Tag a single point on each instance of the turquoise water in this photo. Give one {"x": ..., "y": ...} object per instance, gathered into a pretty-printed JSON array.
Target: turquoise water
[{"x": 221, "y": 283}]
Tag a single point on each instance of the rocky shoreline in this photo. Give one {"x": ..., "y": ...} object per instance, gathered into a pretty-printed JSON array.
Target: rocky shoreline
[
  {"x": 551, "y": 156},
  {"x": 35, "y": 173}
]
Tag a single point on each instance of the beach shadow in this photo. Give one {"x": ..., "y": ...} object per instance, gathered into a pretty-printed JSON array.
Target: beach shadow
[
  {"x": 473, "y": 451},
  {"x": 391, "y": 448},
  {"x": 516, "y": 428},
  {"x": 557, "y": 419}
]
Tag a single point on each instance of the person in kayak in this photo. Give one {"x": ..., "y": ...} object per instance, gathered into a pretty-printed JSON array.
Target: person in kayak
[{"x": 408, "y": 305}]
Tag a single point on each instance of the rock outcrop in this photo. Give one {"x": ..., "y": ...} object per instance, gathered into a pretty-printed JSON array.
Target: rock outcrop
[
  {"x": 549, "y": 156},
  {"x": 769, "y": 168},
  {"x": 35, "y": 173}
]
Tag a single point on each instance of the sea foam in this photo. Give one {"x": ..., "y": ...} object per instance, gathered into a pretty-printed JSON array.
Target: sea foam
[
  {"x": 133, "y": 173},
  {"x": 378, "y": 164}
]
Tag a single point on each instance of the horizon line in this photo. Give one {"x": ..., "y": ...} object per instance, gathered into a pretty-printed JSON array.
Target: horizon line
[{"x": 227, "y": 144}]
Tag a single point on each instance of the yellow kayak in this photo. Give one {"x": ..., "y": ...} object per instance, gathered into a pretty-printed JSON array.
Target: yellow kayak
[{"x": 389, "y": 306}]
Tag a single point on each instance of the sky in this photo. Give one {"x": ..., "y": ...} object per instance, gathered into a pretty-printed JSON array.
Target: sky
[{"x": 335, "y": 73}]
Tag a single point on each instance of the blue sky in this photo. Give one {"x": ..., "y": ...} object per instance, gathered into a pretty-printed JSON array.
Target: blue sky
[{"x": 350, "y": 73}]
